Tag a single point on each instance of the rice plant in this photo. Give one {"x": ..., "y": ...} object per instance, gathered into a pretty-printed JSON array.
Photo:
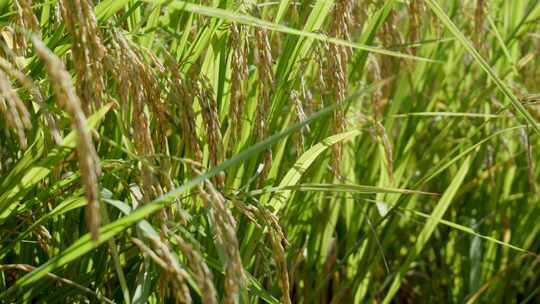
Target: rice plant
[{"x": 317, "y": 151}]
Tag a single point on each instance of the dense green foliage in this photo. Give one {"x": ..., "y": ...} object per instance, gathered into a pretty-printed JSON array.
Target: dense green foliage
[{"x": 318, "y": 151}]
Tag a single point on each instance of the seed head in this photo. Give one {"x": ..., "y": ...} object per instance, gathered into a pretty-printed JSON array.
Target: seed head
[{"x": 88, "y": 160}]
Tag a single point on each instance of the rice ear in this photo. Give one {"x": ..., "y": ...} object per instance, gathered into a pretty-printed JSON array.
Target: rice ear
[
  {"x": 31, "y": 87},
  {"x": 265, "y": 84},
  {"x": 26, "y": 18},
  {"x": 225, "y": 227},
  {"x": 88, "y": 159},
  {"x": 172, "y": 272},
  {"x": 26, "y": 22},
  {"x": 131, "y": 75},
  {"x": 478, "y": 23},
  {"x": 209, "y": 111},
  {"x": 88, "y": 51},
  {"x": 183, "y": 94},
  {"x": 200, "y": 269},
  {"x": 413, "y": 22},
  {"x": 15, "y": 112},
  {"x": 299, "y": 139},
  {"x": 278, "y": 241},
  {"x": 337, "y": 71},
  {"x": 239, "y": 74}
]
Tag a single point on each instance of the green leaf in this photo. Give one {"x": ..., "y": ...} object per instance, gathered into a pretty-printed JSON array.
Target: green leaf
[
  {"x": 337, "y": 188},
  {"x": 304, "y": 162},
  {"x": 252, "y": 21},
  {"x": 429, "y": 227},
  {"x": 85, "y": 243},
  {"x": 503, "y": 87},
  {"x": 31, "y": 169}
]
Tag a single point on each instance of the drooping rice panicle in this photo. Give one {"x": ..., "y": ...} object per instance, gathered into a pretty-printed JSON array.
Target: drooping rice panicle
[
  {"x": 225, "y": 228},
  {"x": 263, "y": 55},
  {"x": 88, "y": 51},
  {"x": 14, "y": 110},
  {"x": 239, "y": 73},
  {"x": 269, "y": 151},
  {"x": 89, "y": 163},
  {"x": 30, "y": 86},
  {"x": 200, "y": 269},
  {"x": 26, "y": 22},
  {"x": 478, "y": 23},
  {"x": 414, "y": 13},
  {"x": 173, "y": 273},
  {"x": 136, "y": 85},
  {"x": 338, "y": 61},
  {"x": 184, "y": 96},
  {"x": 204, "y": 94}
]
